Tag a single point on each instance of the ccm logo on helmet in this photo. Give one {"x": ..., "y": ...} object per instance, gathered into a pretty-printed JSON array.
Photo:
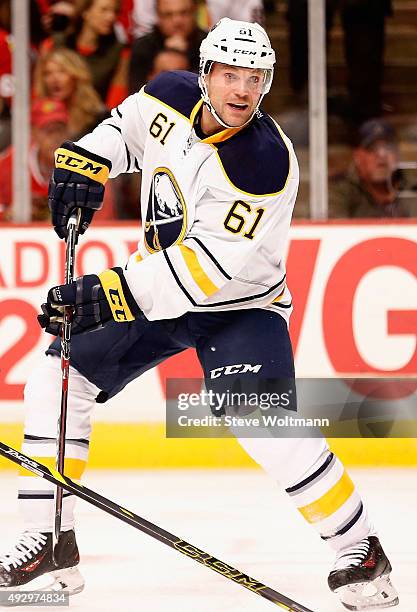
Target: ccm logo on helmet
[
  {"x": 239, "y": 368},
  {"x": 244, "y": 52}
]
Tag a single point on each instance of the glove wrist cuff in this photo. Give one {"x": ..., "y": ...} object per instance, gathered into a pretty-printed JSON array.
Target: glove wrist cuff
[
  {"x": 76, "y": 159},
  {"x": 122, "y": 304}
]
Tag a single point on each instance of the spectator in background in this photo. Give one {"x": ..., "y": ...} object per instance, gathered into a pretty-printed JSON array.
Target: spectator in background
[
  {"x": 49, "y": 121},
  {"x": 144, "y": 17},
  {"x": 92, "y": 36},
  {"x": 169, "y": 59},
  {"x": 371, "y": 186},
  {"x": 176, "y": 28},
  {"x": 57, "y": 15},
  {"x": 63, "y": 75}
]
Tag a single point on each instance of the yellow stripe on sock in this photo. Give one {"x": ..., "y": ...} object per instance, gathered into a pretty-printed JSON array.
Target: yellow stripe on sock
[
  {"x": 74, "y": 468},
  {"x": 197, "y": 272},
  {"x": 330, "y": 501}
]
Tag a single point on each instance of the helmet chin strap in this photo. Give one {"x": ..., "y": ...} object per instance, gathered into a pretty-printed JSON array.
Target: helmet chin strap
[{"x": 217, "y": 117}]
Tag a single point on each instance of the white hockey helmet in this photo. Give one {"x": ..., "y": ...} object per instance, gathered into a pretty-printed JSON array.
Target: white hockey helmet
[{"x": 236, "y": 43}]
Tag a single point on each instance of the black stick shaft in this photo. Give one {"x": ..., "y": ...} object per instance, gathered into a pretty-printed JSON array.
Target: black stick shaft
[
  {"x": 152, "y": 530},
  {"x": 65, "y": 364}
]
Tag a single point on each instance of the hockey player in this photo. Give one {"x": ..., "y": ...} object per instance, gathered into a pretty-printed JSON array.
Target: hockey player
[{"x": 219, "y": 182}]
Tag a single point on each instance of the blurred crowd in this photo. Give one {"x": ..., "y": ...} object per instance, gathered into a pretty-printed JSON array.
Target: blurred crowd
[{"x": 88, "y": 55}]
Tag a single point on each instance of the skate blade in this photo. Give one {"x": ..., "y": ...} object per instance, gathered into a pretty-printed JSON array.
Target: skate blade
[
  {"x": 68, "y": 581},
  {"x": 374, "y": 595}
]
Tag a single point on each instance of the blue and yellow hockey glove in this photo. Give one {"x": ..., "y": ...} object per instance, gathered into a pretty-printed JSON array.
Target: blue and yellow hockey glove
[
  {"x": 95, "y": 299},
  {"x": 77, "y": 182}
]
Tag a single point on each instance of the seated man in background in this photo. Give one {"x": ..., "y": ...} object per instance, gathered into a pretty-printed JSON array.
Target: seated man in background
[
  {"x": 176, "y": 28},
  {"x": 169, "y": 59},
  {"x": 143, "y": 12},
  {"x": 371, "y": 185}
]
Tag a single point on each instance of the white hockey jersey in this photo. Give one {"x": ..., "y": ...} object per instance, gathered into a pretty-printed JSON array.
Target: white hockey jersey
[{"x": 215, "y": 211}]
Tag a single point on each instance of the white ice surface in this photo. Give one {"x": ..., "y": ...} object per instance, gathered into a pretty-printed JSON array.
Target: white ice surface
[{"x": 242, "y": 518}]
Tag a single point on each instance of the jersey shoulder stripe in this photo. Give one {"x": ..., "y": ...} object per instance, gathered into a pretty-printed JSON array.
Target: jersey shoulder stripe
[
  {"x": 256, "y": 160},
  {"x": 178, "y": 89}
]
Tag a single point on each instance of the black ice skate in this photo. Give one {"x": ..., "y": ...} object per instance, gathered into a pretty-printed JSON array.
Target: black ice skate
[
  {"x": 360, "y": 577},
  {"x": 31, "y": 566}
]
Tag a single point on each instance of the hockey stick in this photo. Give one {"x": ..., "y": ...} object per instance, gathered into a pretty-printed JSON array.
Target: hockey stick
[
  {"x": 72, "y": 228},
  {"x": 152, "y": 530}
]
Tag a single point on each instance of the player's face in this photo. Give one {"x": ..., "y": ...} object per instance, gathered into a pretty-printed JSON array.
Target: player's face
[
  {"x": 59, "y": 84},
  {"x": 234, "y": 92},
  {"x": 376, "y": 163}
]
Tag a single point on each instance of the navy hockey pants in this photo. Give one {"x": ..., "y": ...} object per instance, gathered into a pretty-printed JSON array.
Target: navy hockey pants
[{"x": 114, "y": 355}]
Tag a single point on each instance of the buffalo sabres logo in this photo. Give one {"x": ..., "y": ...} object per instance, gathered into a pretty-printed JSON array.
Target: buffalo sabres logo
[{"x": 166, "y": 218}]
